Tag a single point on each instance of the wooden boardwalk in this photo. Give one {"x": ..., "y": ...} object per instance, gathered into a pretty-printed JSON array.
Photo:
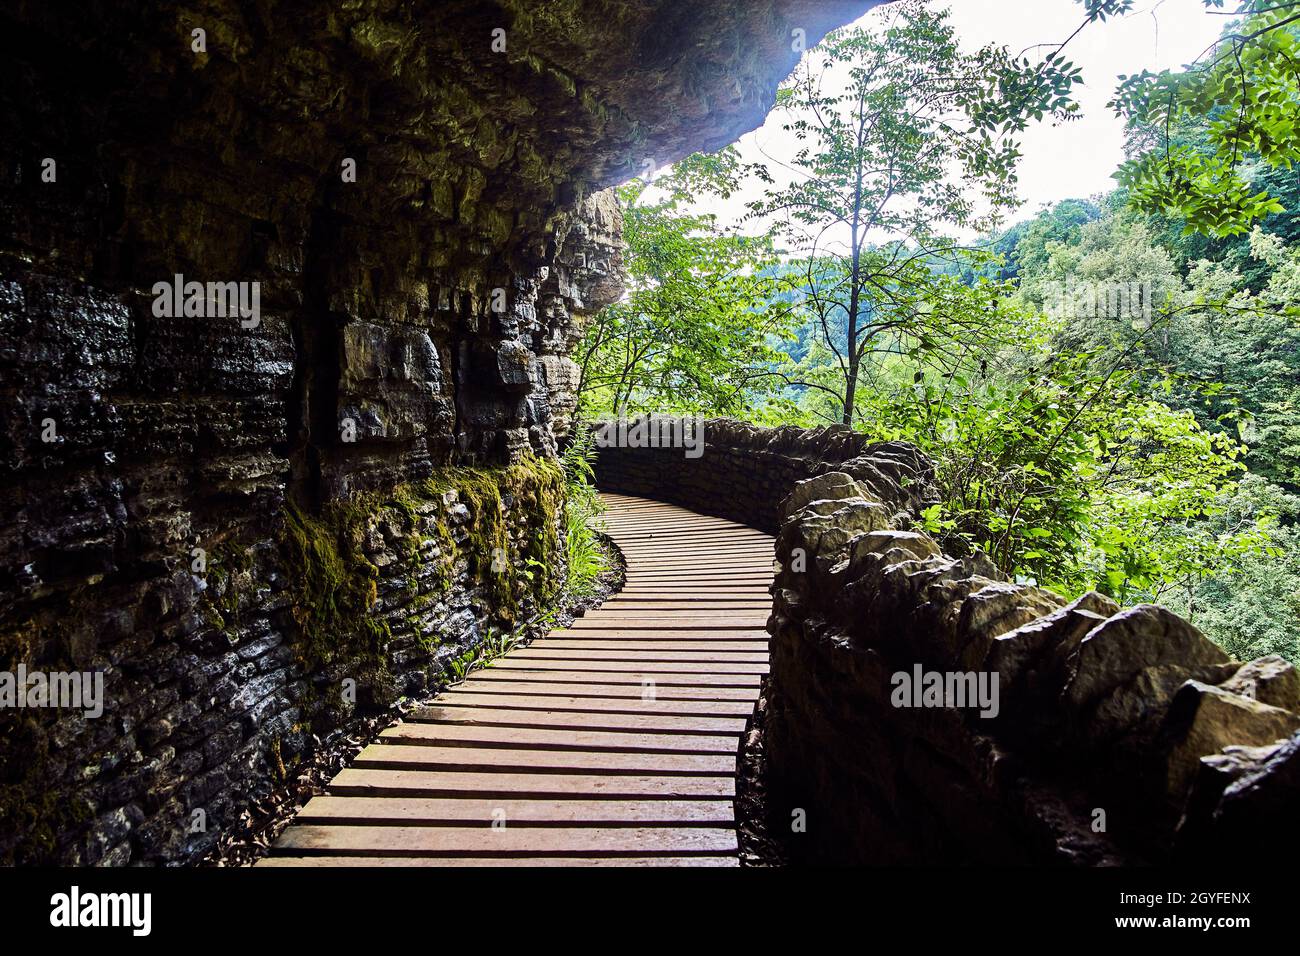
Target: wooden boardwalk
[{"x": 611, "y": 742}]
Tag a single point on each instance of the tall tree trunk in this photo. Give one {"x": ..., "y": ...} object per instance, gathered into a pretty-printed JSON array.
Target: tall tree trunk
[{"x": 855, "y": 300}]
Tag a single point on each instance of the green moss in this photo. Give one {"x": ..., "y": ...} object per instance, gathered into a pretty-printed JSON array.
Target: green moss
[
  {"x": 32, "y": 812},
  {"x": 534, "y": 487},
  {"x": 228, "y": 568},
  {"x": 334, "y": 585},
  {"x": 275, "y": 760}
]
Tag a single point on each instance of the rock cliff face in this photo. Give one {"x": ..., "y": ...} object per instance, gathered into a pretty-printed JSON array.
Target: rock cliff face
[
  {"x": 1059, "y": 732},
  {"x": 231, "y": 513}
]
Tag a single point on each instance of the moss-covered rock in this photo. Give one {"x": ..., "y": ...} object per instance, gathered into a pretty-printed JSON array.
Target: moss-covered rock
[{"x": 371, "y": 579}]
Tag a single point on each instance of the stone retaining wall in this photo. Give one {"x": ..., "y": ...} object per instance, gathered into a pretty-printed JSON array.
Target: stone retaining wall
[
  {"x": 1118, "y": 736},
  {"x": 745, "y": 471}
]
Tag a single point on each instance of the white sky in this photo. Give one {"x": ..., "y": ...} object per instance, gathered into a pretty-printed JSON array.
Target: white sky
[
  {"x": 1074, "y": 160},
  {"x": 1077, "y": 159}
]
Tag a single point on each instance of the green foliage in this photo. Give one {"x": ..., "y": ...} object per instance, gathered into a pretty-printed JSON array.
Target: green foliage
[
  {"x": 587, "y": 559},
  {"x": 692, "y": 325},
  {"x": 1061, "y": 223},
  {"x": 1245, "y": 94},
  {"x": 1251, "y": 605},
  {"x": 1229, "y": 355},
  {"x": 1061, "y": 474}
]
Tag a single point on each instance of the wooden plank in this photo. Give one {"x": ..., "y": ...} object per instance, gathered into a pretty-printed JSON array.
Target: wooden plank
[
  {"x": 613, "y": 633},
  {"x": 699, "y": 545},
  {"x": 580, "y": 720},
  {"x": 549, "y": 651},
  {"x": 681, "y": 533},
  {"x": 631, "y": 543},
  {"x": 707, "y": 625},
  {"x": 706, "y": 642},
  {"x": 673, "y": 522},
  {"x": 700, "y": 580},
  {"x": 676, "y": 615},
  {"x": 353, "y": 782},
  {"x": 647, "y": 621},
  {"x": 709, "y": 577},
  {"x": 595, "y": 707},
  {"x": 419, "y": 735},
  {"x": 633, "y": 527},
  {"x": 663, "y": 679},
  {"x": 634, "y": 690},
  {"x": 668, "y": 593},
  {"x": 719, "y": 544},
  {"x": 763, "y": 569},
  {"x": 744, "y": 566},
  {"x": 619, "y": 611},
  {"x": 755, "y": 564},
  {"x": 709, "y": 569},
  {"x": 652, "y": 643},
  {"x": 652, "y": 552},
  {"x": 654, "y": 608},
  {"x": 359, "y": 811},
  {"x": 648, "y": 649},
  {"x": 696, "y": 549},
  {"x": 692, "y": 586},
  {"x": 648, "y": 667},
  {"x": 685, "y": 593},
  {"x": 507, "y": 840},
  {"x": 417, "y": 756},
  {"x": 657, "y": 511},
  {"x": 759, "y": 589},
  {"x": 463, "y": 861},
  {"x": 696, "y": 577},
  {"x": 757, "y": 601}
]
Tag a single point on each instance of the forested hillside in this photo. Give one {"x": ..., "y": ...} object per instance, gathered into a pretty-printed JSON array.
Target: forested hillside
[{"x": 1109, "y": 387}]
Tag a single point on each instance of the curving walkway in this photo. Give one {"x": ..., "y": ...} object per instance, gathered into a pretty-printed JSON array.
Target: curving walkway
[{"x": 611, "y": 742}]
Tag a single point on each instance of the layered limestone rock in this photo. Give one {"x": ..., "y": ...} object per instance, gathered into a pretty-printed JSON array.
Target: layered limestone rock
[{"x": 197, "y": 501}]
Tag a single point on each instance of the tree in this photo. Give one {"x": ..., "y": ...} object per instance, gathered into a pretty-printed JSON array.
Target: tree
[
  {"x": 899, "y": 134},
  {"x": 692, "y": 333},
  {"x": 1245, "y": 93},
  {"x": 1227, "y": 354},
  {"x": 1063, "y": 471}
]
